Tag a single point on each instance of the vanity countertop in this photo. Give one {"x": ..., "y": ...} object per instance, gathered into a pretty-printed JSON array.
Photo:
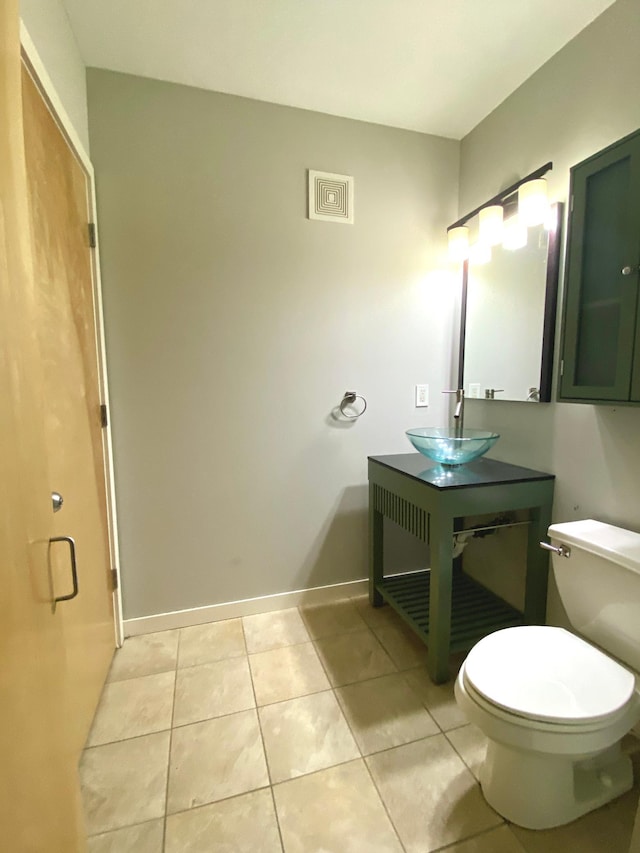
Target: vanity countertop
[{"x": 481, "y": 472}]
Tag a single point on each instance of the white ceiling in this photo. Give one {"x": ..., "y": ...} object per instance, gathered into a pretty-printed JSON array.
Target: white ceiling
[{"x": 437, "y": 66}]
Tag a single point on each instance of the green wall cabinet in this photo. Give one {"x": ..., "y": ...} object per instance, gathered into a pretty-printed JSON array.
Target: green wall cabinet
[{"x": 600, "y": 360}]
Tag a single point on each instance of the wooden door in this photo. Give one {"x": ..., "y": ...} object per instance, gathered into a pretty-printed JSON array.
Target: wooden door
[
  {"x": 39, "y": 802},
  {"x": 59, "y": 208}
]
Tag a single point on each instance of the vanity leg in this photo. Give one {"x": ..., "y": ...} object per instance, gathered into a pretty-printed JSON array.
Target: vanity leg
[
  {"x": 438, "y": 646},
  {"x": 376, "y": 528},
  {"x": 535, "y": 597}
]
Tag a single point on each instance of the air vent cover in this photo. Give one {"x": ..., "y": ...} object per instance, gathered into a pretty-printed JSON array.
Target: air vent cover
[{"x": 330, "y": 197}]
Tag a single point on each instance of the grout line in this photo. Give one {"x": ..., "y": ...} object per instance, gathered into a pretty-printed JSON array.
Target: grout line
[
  {"x": 173, "y": 711},
  {"x": 384, "y": 805},
  {"x": 366, "y": 766},
  {"x": 124, "y": 826},
  {"x": 460, "y": 755},
  {"x": 275, "y": 811},
  {"x": 264, "y": 748},
  {"x": 466, "y": 838},
  {"x": 255, "y": 708},
  {"x": 144, "y": 675},
  {"x": 209, "y": 662}
]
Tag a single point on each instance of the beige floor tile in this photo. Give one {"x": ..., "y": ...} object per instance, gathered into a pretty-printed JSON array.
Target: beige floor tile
[
  {"x": 305, "y": 734},
  {"x": 338, "y": 617},
  {"x": 125, "y": 782},
  {"x": 136, "y": 706},
  {"x": 334, "y": 811},
  {"x": 353, "y": 657},
  {"x": 500, "y": 840},
  {"x": 375, "y": 617},
  {"x": 145, "y": 655},
  {"x": 438, "y": 699},
  {"x": 402, "y": 645},
  {"x": 432, "y": 798},
  {"x": 273, "y": 630},
  {"x": 211, "y": 690},
  {"x": 384, "y": 712},
  {"x": 286, "y": 673},
  {"x": 144, "y": 838},
  {"x": 471, "y": 745},
  {"x": 605, "y": 830},
  {"x": 212, "y": 641},
  {"x": 245, "y": 824},
  {"x": 216, "y": 759}
]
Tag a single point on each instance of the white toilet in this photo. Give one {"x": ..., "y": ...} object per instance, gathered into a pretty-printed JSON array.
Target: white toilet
[{"x": 553, "y": 706}]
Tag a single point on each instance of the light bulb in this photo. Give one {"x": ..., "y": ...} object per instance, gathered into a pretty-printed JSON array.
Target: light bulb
[
  {"x": 490, "y": 225},
  {"x": 458, "y": 243},
  {"x": 532, "y": 202}
]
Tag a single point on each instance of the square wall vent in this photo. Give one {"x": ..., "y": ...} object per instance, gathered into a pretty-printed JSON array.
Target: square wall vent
[{"x": 330, "y": 197}]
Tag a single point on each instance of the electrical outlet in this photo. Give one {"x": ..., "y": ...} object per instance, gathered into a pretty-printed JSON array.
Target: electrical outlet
[
  {"x": 474, "y": 390},
  {"x": 422, "y": 396}
]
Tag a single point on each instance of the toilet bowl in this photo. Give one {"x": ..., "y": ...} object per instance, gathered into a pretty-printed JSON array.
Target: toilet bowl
[{"x": 553, "y": 706}]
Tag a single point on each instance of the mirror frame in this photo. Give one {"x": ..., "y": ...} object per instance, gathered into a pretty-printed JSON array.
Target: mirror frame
[{"x": 552, "y": 279}]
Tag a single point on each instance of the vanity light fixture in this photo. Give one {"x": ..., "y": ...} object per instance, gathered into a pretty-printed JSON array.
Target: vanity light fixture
[
  {"x": 532, "y": 202},
  {"x": 458, "y": 243},
  {"x": 531, "y": 192},
  {"x": 515, "y": 234},
  {"x": 490, "y": 222}
]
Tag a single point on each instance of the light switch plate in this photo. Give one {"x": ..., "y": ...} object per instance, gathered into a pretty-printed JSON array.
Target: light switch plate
[{"x": 422, "y": 396}]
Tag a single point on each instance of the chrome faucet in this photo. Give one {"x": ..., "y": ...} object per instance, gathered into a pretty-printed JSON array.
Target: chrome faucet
[{"x": 458, "y": 415}]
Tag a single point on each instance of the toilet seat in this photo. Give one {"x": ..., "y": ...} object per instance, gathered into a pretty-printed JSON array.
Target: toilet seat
[{"x": 549, "y": 677}]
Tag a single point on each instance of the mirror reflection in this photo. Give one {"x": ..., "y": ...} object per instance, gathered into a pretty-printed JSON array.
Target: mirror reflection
[{"x": 510, "y": 316}]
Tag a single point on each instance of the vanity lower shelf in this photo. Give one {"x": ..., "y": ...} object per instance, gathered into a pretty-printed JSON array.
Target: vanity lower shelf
[{"x": 475, "y": 611}]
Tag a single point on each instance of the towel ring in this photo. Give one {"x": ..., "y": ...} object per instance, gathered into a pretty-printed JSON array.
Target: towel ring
[{"x": 348, "y": 400}]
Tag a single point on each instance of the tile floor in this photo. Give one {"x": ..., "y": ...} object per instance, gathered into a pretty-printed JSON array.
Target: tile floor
[{"x": 308, "y": 730}]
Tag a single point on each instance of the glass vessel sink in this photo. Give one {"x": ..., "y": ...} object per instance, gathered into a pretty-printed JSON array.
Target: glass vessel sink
[{"x": 447, "y": 447}]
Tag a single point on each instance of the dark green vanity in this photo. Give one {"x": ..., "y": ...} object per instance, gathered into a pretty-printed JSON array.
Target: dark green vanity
[
  {"x": 444, "y": 606},
  {"x": 601, "y": 319}
]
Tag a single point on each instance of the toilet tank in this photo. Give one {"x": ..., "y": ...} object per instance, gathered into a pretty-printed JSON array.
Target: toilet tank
[{"x": 599, "y": 585}]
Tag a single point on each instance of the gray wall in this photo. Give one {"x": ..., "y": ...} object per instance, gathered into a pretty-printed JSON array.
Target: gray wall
[
  {"x": 48, "y": 26},
  {"x": 583, "y": 99},
  {"x": 234, "y": 325}
]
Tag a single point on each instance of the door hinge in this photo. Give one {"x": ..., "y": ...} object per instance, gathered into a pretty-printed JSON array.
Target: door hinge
[
  {"x": 104, "y": 417},
  {"x": 92, "y": 235},
  {"x": 571, "y": 207},
  {"x": 114, "y": 579},
  {"x": 562, "y": 367}
]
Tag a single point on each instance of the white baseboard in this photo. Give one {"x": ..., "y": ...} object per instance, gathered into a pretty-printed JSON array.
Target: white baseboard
[{"x": 245, "y": 607}]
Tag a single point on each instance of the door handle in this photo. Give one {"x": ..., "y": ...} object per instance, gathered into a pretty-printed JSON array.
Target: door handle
[{"x": 74, "y": 569}]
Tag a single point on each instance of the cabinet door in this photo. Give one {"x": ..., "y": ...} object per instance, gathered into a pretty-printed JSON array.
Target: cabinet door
[{"x": 601, "y": 303}]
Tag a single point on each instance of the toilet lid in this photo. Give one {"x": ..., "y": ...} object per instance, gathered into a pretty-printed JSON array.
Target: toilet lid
[{"x": 547, "y": 673}]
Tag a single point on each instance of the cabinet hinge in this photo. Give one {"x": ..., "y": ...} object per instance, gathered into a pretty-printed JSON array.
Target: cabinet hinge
[
  {"x": 104, "y": 417},
  {"x": 114, "y": 579},
  {"x": 92, "y": 235},
  {"x": 571, "y": 206},
  {"x": 562, "y": 367}
]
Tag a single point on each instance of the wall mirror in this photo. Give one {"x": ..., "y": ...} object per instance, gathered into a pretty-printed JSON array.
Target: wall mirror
[{"x": 509, "y": 299}]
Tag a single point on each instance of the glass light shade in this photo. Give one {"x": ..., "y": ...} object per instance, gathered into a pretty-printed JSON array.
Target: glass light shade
[
  {"x": 515, "y": 234},
  {"x": 533, "y": 206},
  {"x": 458, "y": 243},
  {"x": 490, "y": 225},
  {"x": 479, "y": 253}
]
